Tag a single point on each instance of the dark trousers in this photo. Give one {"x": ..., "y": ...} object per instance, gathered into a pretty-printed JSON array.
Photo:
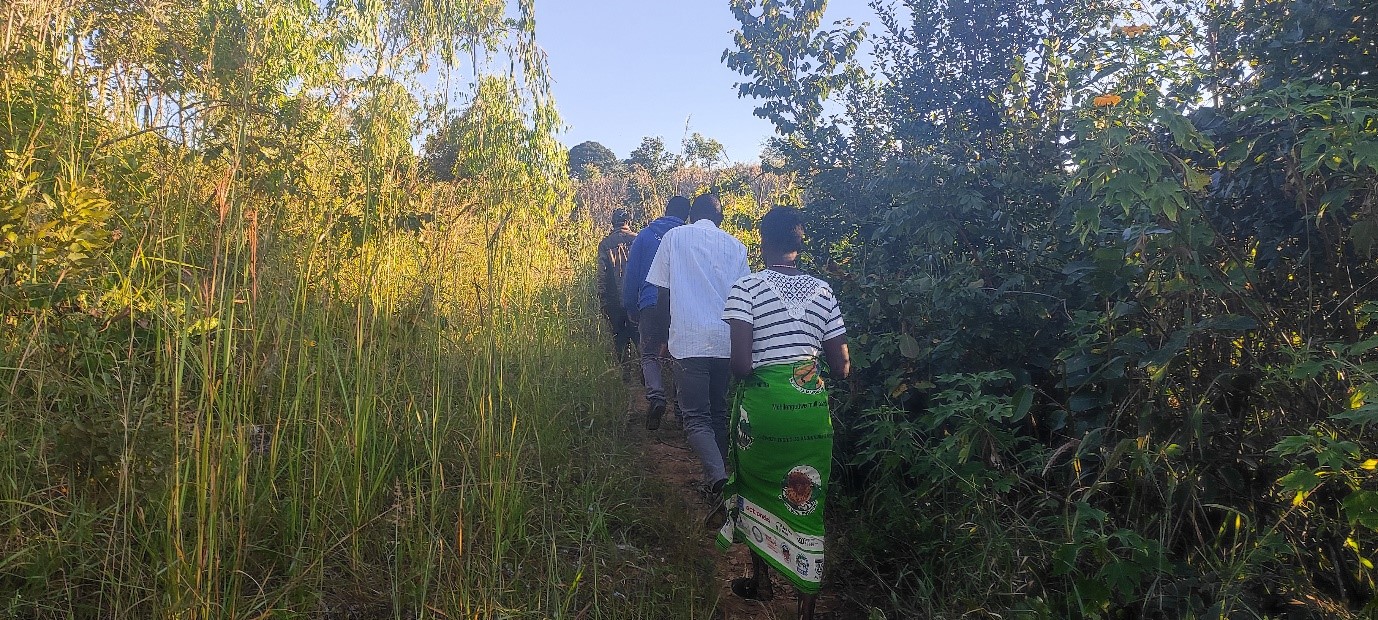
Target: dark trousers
[
  {"x": 623, "y": 337},
  {"x": 702, "y": 383}
]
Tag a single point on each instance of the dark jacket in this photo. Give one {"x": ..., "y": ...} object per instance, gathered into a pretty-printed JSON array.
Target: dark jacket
[
  {"x": 612, "y": 268},
  {"x": 637, "y": 294}
]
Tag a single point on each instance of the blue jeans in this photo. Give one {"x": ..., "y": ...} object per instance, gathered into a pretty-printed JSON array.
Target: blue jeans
[{"x": 702, "y": 387}]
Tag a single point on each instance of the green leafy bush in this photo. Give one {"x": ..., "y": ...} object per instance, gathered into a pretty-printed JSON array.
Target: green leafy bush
[{"x": 1155, "y": 222}]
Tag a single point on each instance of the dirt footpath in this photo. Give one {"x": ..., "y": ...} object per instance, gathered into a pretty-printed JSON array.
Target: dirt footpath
[{"x": 671, "y": 460}]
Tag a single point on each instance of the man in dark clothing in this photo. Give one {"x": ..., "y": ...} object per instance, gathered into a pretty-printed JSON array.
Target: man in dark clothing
[
  {"x": 612, "y": 270},
  {"x": 639, "y": 298}
]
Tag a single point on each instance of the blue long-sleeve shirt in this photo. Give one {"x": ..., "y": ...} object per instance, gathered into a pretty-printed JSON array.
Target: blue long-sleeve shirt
[{"x": 636, "y": 293}]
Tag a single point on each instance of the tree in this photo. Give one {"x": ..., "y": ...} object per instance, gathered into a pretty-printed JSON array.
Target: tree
[
  {"x": 652, "y": 156},
  {"x": 441, "y": 149},
  {"x": 586, "y": 157},
  {"x": 793, "y": 66},
  {"x": 703, "y": 151},
  {"x": 773, "y": 154}
]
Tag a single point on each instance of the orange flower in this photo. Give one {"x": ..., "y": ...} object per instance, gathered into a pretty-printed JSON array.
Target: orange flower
[{"x": 1106, "y": 101}]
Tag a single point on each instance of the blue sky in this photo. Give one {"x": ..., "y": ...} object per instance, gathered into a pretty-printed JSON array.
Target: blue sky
[{"x": 625, "y": 69}]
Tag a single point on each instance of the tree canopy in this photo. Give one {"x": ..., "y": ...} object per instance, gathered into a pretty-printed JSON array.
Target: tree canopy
[
  {"x": 652, "y": 156},
  {"x": 589, "y": 157},
  {"x": 703, "y": 151}
]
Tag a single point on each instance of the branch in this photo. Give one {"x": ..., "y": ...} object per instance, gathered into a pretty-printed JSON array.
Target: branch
[{"x": 133, "y": 135}]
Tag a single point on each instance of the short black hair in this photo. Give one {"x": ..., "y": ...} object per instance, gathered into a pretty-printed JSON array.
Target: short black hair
[
  {"x": 706, "y": 207},
  {"x": 782, "y": 229},
  {"x": 678, "y": 207}
]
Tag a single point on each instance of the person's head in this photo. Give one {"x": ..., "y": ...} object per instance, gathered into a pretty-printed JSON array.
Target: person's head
[
  {"x": 620, "y": 217},
  {"x": 782, "y": 232},
  {"x": 678, "y": 207},
  {"x": 706, "y": 207}
]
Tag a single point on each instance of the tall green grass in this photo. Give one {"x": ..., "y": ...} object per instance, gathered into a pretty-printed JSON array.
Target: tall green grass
[
  {"x": 233, "y": 385},
  {"x": 302, "y": 455},
  {"x": 223, "y": 421}
]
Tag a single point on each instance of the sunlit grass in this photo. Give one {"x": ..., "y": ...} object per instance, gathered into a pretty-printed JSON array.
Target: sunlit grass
[{"x": 323, "y": 451}]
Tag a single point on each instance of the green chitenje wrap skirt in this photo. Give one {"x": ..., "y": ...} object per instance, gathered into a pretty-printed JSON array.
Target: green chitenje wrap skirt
[{"x": 780, "y": 451}]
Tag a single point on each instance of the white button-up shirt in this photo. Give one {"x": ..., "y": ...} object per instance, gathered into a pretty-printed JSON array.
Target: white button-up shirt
[{"x": 698, "y": 263}]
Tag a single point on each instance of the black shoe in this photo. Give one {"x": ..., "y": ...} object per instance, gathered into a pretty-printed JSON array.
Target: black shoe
[
  {"x": 653, "y": 416},
  {"x": 749, "y": 589}
]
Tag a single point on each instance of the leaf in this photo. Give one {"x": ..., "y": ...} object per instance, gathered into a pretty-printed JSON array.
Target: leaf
[
  {"x": 1194, "y": 179},
  {"x": 1086, "y": 513},
  {"x": 1065, "y": 559},
  {"x": 909, "y": 347},
  {"x": 1229, "y": 322},
  {"x": 1080, "y": 364},
  {"x": 1361, "y": 507},
  {"x": 1174, "y": 345},
  {"x": 1363, "y": 346},
  {"x": 1083, "y": 402},
  {"x": 1306, "y": 370},
  {"x": 1362, "y": 416},
  {"x": 1364, "y": 235},
  {"x": 1093, "y": 593},
  {"x": 1292, "y": 444},
  {"x": 1023, "y": 401},
  {"x": 1106, "y": 70},
  {"x": 1301, "y": 480},
  {"x": 1170, "y": 210}
]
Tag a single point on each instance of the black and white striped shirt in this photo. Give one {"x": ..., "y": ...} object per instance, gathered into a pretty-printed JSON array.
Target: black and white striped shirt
[{"x": 790, "y": 316}]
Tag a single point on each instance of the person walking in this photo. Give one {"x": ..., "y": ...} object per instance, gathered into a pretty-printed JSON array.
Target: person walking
[
  {"x": 639, "y": 300},
  {"x": 781, "y": 439},
  {"x": 694, "y": 270},
  {"x": 612, "y": 268}
]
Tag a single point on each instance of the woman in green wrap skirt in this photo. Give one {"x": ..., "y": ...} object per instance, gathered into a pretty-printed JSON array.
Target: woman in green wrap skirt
[{"x": 780, "y": 434}]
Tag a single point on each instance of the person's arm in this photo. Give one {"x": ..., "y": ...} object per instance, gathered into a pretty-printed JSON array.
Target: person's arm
[
  {"x": 839, "y": 361},
  {"x": 739, "y": 313},
  {"x": 607, "y": 283},
  {"x": 634, "y": 278},
  {"x": 658, "y": 275},
  {"x": 835, "y": 338},
  {"x": 741, "y": 347}
]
